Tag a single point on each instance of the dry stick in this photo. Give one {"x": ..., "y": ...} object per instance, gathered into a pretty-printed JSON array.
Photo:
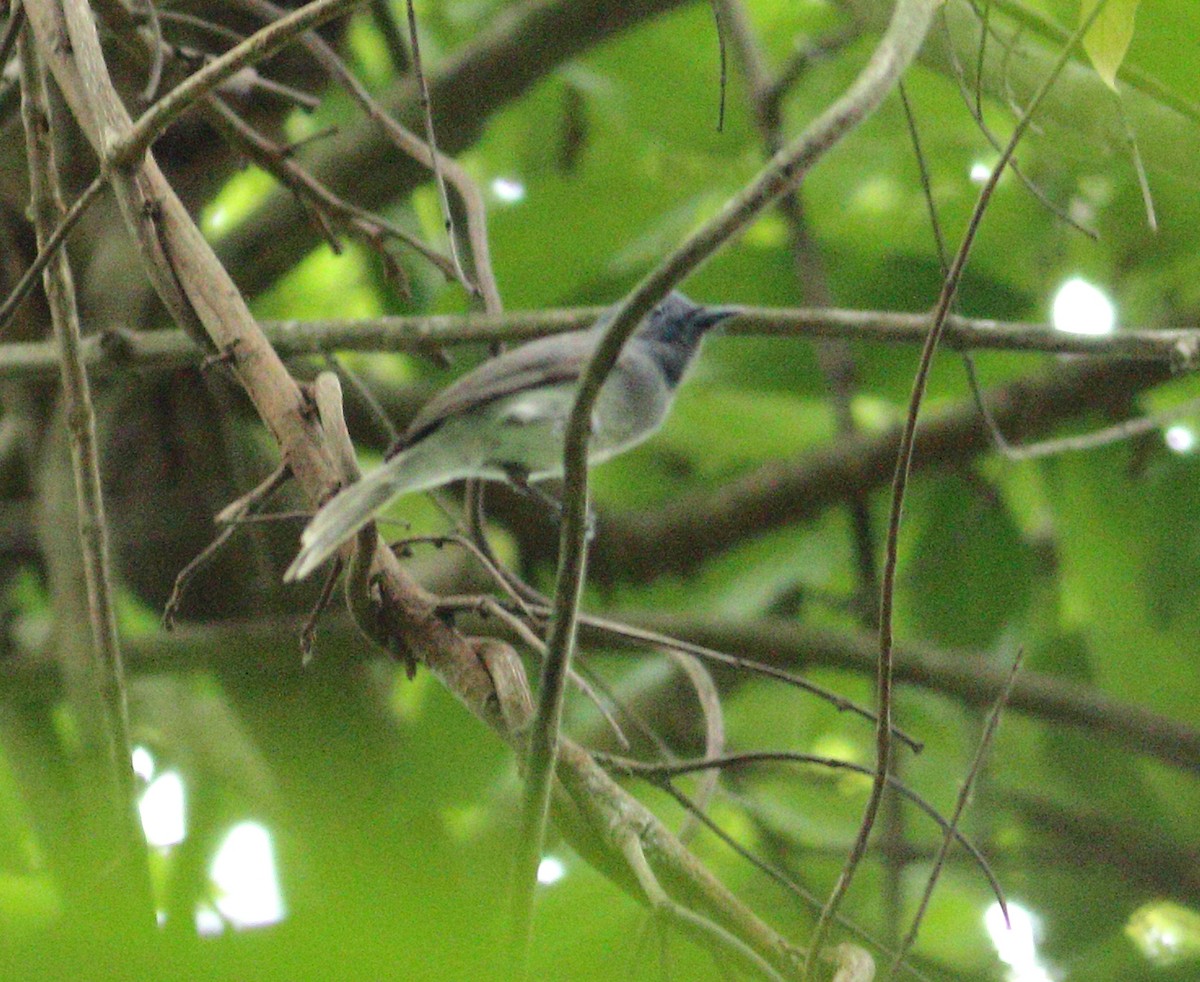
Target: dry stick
[
  {"x": 839, "y": 702},
  {"x": 46, "y": 252},
  {"x": 1178, "y": 347},
  {"x": 776, "y": 874},
  {"x": 107, "y": 668},
  {"x": 16, "y": 20},
  {"x": 410, "y": 144},
  {"x": 401, "y": 617},
  {"x": 128, "y": 148},
  {"x": 900, "y": 482},
  {"x": 896, "y": 49},
  {"x": 430, "y": 138},
  {"x": 960, "y": 805},
  {"x": 661, "y": 773}
]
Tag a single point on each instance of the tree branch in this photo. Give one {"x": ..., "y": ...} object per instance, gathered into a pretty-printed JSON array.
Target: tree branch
[
  {"x": 899, "y": 45},
  {"x": 103, "y": 719}
]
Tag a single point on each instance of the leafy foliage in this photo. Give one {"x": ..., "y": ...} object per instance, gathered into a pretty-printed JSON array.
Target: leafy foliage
[{"x": 389, "y": 807}]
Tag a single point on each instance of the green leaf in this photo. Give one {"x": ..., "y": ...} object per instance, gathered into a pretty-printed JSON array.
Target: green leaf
[
  {"x": 1108, "y": 38},
  {"x": 971, "y": 574}
]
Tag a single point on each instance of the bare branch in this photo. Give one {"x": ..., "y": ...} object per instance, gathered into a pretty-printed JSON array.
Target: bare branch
[
  {"x": 107, "y": 735},
  {"x": 899, "y": 45}
]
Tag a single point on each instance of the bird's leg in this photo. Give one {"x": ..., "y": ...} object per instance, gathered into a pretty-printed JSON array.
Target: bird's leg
[{"x": 518, "y": 478}]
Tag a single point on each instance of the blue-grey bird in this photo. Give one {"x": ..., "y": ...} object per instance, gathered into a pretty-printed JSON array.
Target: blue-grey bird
[{"x": 507, "y": 419}]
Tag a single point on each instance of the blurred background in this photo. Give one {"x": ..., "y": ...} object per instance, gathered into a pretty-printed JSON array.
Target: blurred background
[{"x": 337, "y": 820}]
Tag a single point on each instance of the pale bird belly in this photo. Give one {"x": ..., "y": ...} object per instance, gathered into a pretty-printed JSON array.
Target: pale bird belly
[{"x": 527, "y": 431}]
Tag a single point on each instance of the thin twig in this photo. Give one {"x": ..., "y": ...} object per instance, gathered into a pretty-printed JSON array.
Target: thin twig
[
  {"x": 630, "y": 632},
  {"x": 785, "y": 881},
  {"x": 900, "y": 482},
  {"x": 49, "y": 248},
  {"x": 720, "y": 25},
  {"x": 159, "y": 47},
  {"x": 128, "y": 149},
  {"x": 410, "y": 144},
  {"x": 431, "y": 139},
  {"x": 896, "y": 49},
  {"x": 1125, "y": 430},
  {"x": 107, "y": 667},
  {"x": 960, "y": 805},
  {"x": 660, "y": 773}
]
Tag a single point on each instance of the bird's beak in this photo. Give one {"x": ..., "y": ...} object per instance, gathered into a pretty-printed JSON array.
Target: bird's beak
[{"x": 710, "y": 317}]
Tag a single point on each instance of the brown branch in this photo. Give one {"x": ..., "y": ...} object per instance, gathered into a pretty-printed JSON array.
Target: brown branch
[
  {"x": 425, "y": 154},
  {"x": 966, "y": 677},
  {"x": 506, "y": 59},
  {"x": 898, "y": 46},
  {"x": 107, "y": 735},
  {"x": 960, "y": 805},
  {"x": 1178, "y": 348},
  {"x": 677, "y": 538},
  {"x": 388, "y": 605}
]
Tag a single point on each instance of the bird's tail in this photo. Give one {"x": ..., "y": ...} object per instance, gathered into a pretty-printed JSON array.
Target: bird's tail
[{"x": 341, "y": 516}]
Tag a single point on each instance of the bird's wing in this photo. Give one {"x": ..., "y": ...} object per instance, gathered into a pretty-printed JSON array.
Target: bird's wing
[{"x": 546, "y": 362}]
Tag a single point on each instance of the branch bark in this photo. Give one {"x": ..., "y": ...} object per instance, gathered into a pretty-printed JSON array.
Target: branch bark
[
  {"x": 392, "y": 609},
  {"x": 101, "y": 703},
  {"x": 1177, "y": 347}
]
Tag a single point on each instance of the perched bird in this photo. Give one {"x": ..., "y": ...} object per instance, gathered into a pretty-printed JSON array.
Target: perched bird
[{"x": 507, "y": 419}]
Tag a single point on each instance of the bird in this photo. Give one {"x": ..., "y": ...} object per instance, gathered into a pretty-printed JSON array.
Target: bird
[{"x": 506, "y": 420}]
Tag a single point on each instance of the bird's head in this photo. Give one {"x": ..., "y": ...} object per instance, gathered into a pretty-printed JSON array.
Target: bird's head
[
  {"x": 676, "y": 326},
  {"x": 676, "y": 320}
]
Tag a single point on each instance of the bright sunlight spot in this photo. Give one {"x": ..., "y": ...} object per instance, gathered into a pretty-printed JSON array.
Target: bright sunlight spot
[
  {"x": 162, "y": 812},
  {"x": 1181, "y": 439},
  {"x": 246, "y": 880},
  {"x": 980, "y": 172},
  {"x": 217, "y": 220},
  {"x": 1080, "y": 308},
  {"x": 508, "y": 191},
  {"x": 1165, "y": 932},
  {"x": 550, "y": 870},
  {"x": 208, "y": 922},
  {"x": 143, "y": 763},
  {"x": 1016, "y": 947}
]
